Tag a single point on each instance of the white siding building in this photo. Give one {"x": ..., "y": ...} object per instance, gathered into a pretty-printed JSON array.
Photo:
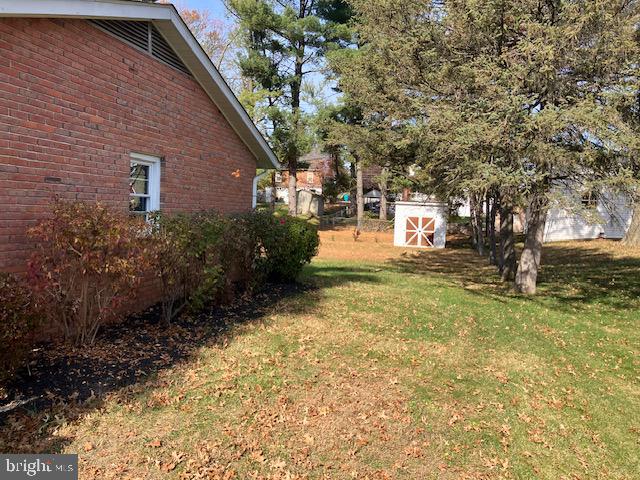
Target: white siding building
[
  {"x": 420, "y": 225},
  {"x": 588, "y": 217}
]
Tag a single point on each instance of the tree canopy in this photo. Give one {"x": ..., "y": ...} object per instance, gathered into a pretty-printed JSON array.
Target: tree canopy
[
  {"x": 286, "y": 41},
  {"x": 514, "y": 98}
]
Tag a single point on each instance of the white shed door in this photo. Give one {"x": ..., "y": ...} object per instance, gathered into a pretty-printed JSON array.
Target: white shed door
[{"x": 420, "y": 231}]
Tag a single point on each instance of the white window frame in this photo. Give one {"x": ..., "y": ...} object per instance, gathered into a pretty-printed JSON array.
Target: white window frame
[
  {"x": 310, "y": 177},
  {"x": 278, "y": 177},
  {"x": 154, "y": 179}
]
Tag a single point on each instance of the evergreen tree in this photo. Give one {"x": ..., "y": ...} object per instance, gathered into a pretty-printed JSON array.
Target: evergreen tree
[
  {"x": 510, "y": 99},
  {"x": 286, "y": 41}
]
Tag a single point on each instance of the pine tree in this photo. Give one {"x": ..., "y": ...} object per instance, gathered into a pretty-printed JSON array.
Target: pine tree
[
  {"x": 286, "y": 41},
  {"x": 509, "y": 98}
]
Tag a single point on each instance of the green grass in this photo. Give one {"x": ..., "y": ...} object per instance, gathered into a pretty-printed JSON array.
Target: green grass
[
  {"x": 422, "y": 366},
  {"x": 548, "y": 386}
]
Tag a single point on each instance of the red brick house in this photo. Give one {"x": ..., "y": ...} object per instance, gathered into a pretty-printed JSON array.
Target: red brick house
[
  {"x": 317, "y": 167},
  {"x": 114, "y": 101}
]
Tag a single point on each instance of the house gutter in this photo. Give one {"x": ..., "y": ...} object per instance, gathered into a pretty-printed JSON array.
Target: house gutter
[{"x": 256, "y": 179}]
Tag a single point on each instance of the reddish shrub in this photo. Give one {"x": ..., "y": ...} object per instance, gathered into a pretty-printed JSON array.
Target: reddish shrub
[
  {"x": 88, "y": 261},
  {"x": 17, "y": 320}
]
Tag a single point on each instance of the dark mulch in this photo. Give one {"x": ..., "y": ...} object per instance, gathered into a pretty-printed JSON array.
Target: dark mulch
[{"x": 130, "y": 352}]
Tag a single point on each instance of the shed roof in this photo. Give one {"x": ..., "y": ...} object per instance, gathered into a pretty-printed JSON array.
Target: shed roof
[{"x": 167, "y": 20}]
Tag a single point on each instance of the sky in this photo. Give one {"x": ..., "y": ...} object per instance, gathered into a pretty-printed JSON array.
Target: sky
[{"x": 216, "y": 7}]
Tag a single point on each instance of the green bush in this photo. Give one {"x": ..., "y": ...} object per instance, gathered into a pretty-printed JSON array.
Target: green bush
[
  {"x": 241, "y": 254},
  {"x": 90, "y": 259},
  {"x": 18, "y": 319},
  {"x": 202, "y": 256},
  {"x": 287, "y": 244},
  {"x": 186, "y": 257}
]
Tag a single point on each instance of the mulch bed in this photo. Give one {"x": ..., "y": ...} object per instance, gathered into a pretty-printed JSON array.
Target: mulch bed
[{"x": 127, "y": 353}]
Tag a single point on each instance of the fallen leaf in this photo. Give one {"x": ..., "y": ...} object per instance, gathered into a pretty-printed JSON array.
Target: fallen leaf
[{"x": 258, "y": 456}]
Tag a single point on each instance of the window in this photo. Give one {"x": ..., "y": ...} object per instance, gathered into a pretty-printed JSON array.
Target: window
[
  {"x": 278, "y": 177},
  {"x": 144, "y": 184},
  {"x": 590, "y": 199},
  {"x": 309, "y": 177}
]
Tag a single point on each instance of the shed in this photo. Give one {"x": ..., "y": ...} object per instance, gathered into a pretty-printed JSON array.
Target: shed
[
  {"x": 310, "y": 203},
  {"x": 420, "y": 224}
]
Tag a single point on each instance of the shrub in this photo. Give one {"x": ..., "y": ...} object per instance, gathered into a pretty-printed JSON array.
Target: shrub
[
  {"x": 88, "y": 262},
  {"x": 89, "y": 259},
  {"x": 17, "y": 320},
  {"x": 187, "y": 259},
  {"x": 240, "y": 254},
  {"x": 210, "y": 230},
  {"x": 200, "y": 256},
  {"x": 288, "y": 243}
]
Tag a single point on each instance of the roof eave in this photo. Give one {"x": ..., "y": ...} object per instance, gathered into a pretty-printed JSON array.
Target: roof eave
[{"x": 190, "y": 52}]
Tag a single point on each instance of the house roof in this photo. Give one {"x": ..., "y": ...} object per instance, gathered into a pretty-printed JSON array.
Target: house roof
[
  {"x": 167, "y": 20},
  {"x": 317, "y": 161}
]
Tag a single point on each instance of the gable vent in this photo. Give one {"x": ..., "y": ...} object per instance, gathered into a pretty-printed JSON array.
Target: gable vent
[
  {"x": 145, "y": 36},
  {"x": 162, "y": 51}
]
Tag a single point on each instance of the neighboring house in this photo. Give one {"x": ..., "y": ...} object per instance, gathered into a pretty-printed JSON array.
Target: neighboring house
[
  {"x": 114, "y": 101},
  {"x": 587, "y": 216},
  {"x": 576, "y": 216},
  {"x": 370, "y": 175},
  {"x": 319, "y": 167}
]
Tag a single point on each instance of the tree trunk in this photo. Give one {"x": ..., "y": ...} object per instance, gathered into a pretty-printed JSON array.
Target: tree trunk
[
  {"x": 336, "y": 164},
  {"x": 274, "y": 189},
  {"x": 359, "y": 195},
  {"x": 487, "y": 218},
  {"x": 474, "y": 226},
  {"x": 293, "y": 154},
  {"x": 507, "y": 250},
  {"x": 632, "y": 237},
  {"x": 476, "y": 223},
  {"x": 383, "y": 194},
  {"x": 493, "y": 212},
  {"x": 527, "y": 273},
  {"x": 293, "y": 187}
]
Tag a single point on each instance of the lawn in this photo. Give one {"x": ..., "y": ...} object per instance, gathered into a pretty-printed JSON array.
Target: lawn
[{"x": 389, "y": 364}]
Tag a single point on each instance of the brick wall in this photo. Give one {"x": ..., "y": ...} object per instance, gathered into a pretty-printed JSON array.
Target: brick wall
[
  {"x": 303, "y": 180},
  {"x": 75, "y": 102}
]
